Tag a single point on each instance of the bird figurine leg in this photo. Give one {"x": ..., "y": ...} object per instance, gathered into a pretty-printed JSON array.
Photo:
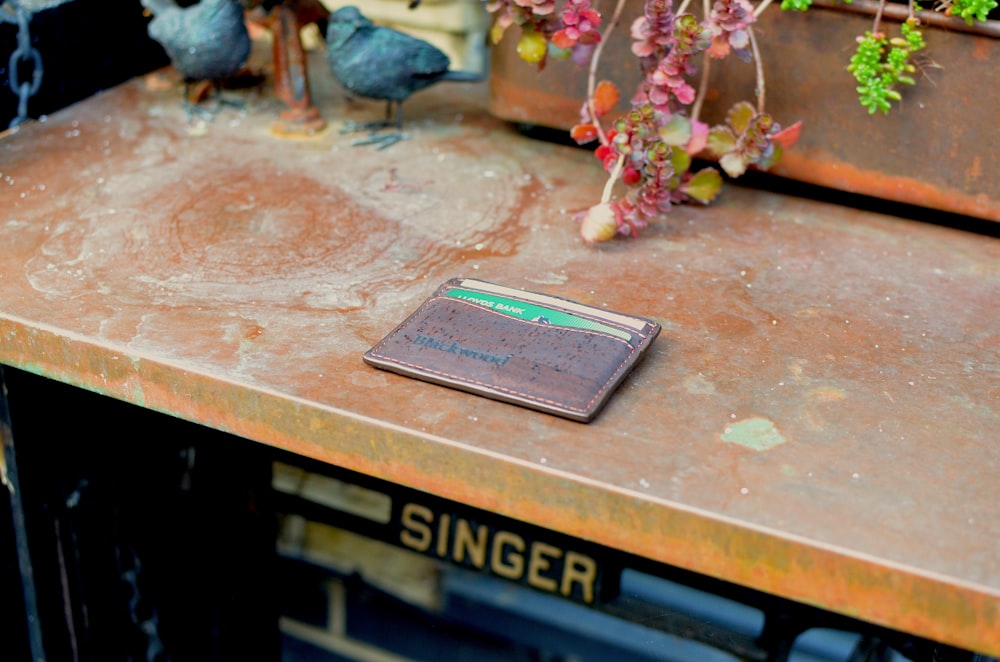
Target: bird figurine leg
[
  {"x": 198, "y": 94},
  {"x": 383, "y": 140}
]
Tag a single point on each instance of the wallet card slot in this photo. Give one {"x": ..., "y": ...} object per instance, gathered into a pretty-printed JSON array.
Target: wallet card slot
[
  {"x": 533, "y": 311},
  {"x": 464, "y": 345},
  {"x": 618, "y": 319}
]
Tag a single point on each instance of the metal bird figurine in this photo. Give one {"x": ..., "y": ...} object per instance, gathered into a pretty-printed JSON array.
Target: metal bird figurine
[
  {"x": 377, "y": 62},
  {"x": 205, "y": 42}
]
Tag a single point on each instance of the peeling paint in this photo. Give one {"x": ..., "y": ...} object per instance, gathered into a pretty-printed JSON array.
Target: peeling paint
[{"x": 759, "y": 434}]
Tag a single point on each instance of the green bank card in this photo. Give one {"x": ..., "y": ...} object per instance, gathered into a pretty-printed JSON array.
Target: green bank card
[{"x": 536, "y": 313}]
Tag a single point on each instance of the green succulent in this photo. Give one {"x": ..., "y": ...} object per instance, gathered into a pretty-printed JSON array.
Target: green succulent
[
  {"x": 971, "y": 10},
  {"x": 880, "y": 63},
  {"x": 796, "y": 5}
]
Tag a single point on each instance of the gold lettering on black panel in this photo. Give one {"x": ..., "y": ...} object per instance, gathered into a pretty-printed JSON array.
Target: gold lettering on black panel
[
  {"x": 444, "y": 532},
  {"x": 465, "y": 543},
  {"x": 581, "y": 570},
  {"x": 542, "y": 556},
  {"x": 416, "y": 533},
  {"x": 500, "y": 552},
  {"x": 506, "y": 557}
]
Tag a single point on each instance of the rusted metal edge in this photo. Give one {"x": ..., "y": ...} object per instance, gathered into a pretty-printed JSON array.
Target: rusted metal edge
[
  {"x": 877, "y": 590},
  {"x": 825, "y": 170},
  {"x": 901, "y": 13}
]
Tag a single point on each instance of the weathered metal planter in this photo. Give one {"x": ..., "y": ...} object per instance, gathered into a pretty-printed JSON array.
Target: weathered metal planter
[{"x": 940, "y": 148}]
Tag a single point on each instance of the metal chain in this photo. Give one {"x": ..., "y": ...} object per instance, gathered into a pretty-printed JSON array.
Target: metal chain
[
  {"x": 144, "y": 615},
  {"x": 25, "y": 55}
]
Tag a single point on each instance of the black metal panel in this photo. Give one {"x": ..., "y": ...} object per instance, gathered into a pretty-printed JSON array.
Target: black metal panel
[
  {"x": 151, "y": 538},
  {"x": 85, "y": 46}
]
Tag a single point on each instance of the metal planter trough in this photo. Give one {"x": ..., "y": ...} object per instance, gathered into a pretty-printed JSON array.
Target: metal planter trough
[{"x": 939, "y": 148}]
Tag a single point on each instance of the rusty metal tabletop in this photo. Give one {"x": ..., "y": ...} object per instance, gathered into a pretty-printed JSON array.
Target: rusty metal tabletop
[{"x": 818, "y": 419}]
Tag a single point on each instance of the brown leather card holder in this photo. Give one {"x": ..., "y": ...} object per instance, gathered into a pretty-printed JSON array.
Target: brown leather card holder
[{"x": 530, "y": 349}]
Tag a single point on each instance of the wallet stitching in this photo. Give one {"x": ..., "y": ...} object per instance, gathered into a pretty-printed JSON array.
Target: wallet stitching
[{"x": 409, "y": 321}]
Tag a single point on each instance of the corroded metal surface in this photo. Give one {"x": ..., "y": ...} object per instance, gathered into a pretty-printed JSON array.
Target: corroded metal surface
[
  {"x": 818, "y": 418},
  {"x": 939, "y": 148}
]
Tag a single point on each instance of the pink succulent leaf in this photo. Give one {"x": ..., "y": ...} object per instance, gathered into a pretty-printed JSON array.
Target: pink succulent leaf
[{"x": 699, "y": 137}]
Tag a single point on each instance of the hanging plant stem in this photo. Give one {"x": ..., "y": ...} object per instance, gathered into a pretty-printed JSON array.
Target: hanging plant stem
[
  {"x": 699, "y": 100},
  {"x": 615, "y": 174},
  {"x": 592, "y": 73},
  {"x": 761, "y": 7},
  {"x": 758, "y": 64},
  {"x": 878, "y": 16},
  {"x": 706, "y": 68}
]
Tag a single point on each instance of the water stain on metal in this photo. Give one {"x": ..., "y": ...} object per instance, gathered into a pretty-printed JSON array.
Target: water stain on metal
[
  {"x": 759, "y": 434},
  {"x": 828, "y": 394},
  {"x": 699, "y": 384}
]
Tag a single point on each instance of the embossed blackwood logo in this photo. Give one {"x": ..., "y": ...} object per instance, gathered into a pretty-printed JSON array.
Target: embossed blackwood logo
[{"x": 452, "y": 347}]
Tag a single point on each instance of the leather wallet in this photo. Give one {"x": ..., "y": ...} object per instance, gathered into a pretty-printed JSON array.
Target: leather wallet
[{"x": 526, "y": 348}]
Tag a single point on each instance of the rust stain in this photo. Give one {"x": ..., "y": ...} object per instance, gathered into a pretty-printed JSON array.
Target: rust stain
[
  {"x": 253, "y": 332},
  {"x": 982, "y": 48},
  {"x": 796, "y": 367},
  {"x": 828, "y": 394},
  {"x": 974, "y": 171}
]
